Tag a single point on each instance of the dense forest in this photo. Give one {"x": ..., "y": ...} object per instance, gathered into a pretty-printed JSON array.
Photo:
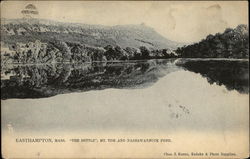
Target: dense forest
[
  {"x": 47, "y": 43},
  {"x": 233, "y": 43},
  {"x": 59, "y": 51}
]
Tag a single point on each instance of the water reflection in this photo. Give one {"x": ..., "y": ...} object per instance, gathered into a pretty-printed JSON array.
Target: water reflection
[
  {"x": 231, "y": 73},
  {"x": 37, "y": 81}
]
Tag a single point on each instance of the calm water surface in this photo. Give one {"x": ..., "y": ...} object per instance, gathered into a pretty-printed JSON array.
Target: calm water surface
[
  {"x": 187, "y": 94},
  {"x": 39, "y": 81}
]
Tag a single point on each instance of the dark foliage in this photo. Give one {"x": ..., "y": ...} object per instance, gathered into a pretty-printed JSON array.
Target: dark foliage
[
  {"x": 233, "y": 43},
  {"x": 232, "y": 74},
  {"x": 38, "y": 81}
]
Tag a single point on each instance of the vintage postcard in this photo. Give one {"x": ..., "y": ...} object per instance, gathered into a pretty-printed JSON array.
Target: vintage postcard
[{"x": 124, "y": 79}]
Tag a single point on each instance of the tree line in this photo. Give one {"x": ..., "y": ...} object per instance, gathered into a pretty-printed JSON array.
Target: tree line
[
  {"x": 60, "y": 51},
  {"x": 232, "y": 43}
]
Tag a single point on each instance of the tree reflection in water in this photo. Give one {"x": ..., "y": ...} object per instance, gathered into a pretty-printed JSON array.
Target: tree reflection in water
[
  {"x": 38, "y": 81},
  {"x": 231, "y": 73}
]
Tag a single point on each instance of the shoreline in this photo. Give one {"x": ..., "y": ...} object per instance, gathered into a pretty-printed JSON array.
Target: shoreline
[{"x": 129, "y": 61}]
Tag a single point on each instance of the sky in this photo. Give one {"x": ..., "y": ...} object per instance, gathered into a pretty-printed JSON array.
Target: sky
[{"x": 178, "y": 21}]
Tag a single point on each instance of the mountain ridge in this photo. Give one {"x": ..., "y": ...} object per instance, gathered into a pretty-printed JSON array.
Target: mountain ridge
[{"x": 121, "y": 35}]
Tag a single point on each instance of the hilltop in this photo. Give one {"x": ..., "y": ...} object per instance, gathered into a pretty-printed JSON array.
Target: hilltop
[
  {"x": 94, "y": 35},
  {"x": 45, "y": 41}
]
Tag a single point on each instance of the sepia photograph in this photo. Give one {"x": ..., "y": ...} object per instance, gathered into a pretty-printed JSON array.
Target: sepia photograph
[{"x": 124, "y": 79}]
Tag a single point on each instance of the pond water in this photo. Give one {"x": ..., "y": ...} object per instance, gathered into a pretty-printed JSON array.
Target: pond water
[
  {"x": 38, "y": 81},
  {"x": 173, "y": 94}
]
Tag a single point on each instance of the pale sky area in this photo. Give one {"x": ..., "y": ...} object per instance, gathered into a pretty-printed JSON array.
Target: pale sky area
[{"x": 177, "y": 21}]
